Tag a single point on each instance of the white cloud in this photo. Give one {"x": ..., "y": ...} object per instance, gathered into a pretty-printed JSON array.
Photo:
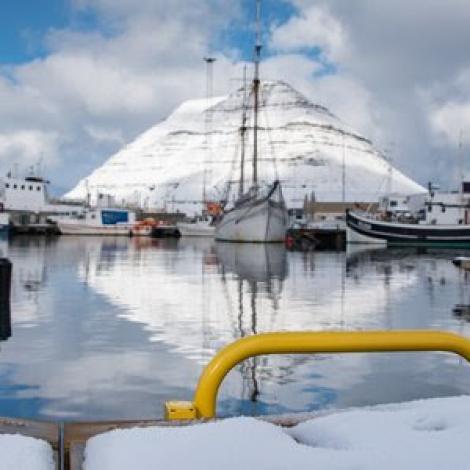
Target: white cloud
[
  {"x": 314, "y": 27},
  {"x": 97, "y": 89},
  {"x": 449, "y": 105},
  {"x": 29, "y": 147},
  {"x": 397, "y": 75}
]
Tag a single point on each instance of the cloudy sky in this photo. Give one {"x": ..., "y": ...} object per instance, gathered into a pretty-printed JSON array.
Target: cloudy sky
[{"x": 80, "y": 78}]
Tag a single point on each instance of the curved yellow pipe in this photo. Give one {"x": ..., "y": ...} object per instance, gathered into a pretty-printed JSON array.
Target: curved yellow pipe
[{"x": 317, "y": 342}]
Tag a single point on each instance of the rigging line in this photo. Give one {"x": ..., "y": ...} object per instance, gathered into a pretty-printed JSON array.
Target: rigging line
[
  {"x": 232, "y": 172},
  {"x": 271, "y": 143}
]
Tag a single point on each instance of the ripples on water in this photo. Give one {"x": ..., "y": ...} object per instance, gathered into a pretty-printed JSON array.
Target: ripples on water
[{"x": 110, "y": 328}]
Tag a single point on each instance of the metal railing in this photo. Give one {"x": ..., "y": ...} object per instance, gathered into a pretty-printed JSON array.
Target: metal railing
[{"x": 204, "y": 403}]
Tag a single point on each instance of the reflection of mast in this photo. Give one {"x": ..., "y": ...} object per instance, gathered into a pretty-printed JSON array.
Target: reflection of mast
[{"x": 254, "y": 361}]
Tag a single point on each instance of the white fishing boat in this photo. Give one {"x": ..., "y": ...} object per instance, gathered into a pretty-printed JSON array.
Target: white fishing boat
[
  {"x": 199, "y": 227},
  {"x": 98, "y": 221},
  {"x": 4, "y": 223},
  {"x": 443, "y": 221},
  {"x": 257, "y": 215}
]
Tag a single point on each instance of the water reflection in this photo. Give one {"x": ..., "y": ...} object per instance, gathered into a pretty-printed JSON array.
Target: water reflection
[
  {"x": 108, "y": 328},
  {"x": 257, "y": 268}
]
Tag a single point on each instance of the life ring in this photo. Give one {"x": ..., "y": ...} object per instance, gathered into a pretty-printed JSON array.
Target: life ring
[{"x": 289, "y": 241}]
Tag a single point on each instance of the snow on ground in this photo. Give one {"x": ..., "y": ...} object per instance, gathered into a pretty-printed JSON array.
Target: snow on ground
[
  {"x": 425, "y": 434},
  {"x": 25, "y": 453}
]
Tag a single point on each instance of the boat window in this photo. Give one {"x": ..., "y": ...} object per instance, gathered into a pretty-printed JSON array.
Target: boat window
[
  {"x": 93, "y": 216},
  {"x": 7, "y": 185},
  {"x": 15, "y": 186},
  {"x": 443, "y": 208},
  {"x": 393, "y": 203},
  {"x": 30, "y": 188},
  {"x": 22, "y": 186},
  {"x": 429, "y": 208},
  {"x": 39, "y": 188}
]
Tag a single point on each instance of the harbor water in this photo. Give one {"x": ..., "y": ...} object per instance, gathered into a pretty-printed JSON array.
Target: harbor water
[{"x": 110, "y": 328}]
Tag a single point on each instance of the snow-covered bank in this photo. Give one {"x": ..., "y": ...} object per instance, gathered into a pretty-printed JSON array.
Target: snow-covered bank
[
  {"x": 425, "y": 434},
  {"x": 25, "y": 453}
]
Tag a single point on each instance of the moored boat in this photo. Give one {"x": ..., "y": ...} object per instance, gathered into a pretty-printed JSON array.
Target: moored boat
[
  {"x": 255, "y": 216},
  {"x": 98, "y": 221},
  {"x": 440, "y": 219},
  {"x": 4, "y": 223},
  {"x": 365, "y": 229},
  {"x": 462, "y": 262},
  {"x": 198, "y": 228}
]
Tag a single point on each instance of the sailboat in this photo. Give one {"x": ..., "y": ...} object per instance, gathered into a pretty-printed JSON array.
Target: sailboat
[{"x": 257, "y": 215}]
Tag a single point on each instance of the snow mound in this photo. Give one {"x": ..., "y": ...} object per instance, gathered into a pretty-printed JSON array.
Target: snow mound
[
  {"x": 238, "y": 443},
  {"x": 25, "y": 453},
  {"x": 301, "y": 143},
  {"x": 420, "y": 435}
]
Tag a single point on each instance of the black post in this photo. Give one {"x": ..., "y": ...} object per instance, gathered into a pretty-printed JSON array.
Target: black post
[
  {"x": 5, "y": 280},
  {"x": 5, "y": 289}
]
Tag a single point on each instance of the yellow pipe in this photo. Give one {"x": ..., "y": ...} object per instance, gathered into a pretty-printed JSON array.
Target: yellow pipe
[{"x": 316, "y": 342}]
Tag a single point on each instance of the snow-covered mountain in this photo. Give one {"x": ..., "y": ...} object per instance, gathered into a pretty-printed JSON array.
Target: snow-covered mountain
[{"x": 301, "y": 143}]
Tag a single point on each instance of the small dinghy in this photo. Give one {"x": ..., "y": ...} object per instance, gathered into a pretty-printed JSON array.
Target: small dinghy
[{"x": 462, "y": 262}]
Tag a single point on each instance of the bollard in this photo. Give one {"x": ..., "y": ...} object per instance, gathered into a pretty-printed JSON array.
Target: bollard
[
  {"x": 5, "y": 280},
  {"x": 5, "y": 321}
]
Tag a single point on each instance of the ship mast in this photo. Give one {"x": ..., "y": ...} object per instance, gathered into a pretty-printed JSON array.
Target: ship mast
[
  {"x": 243, "y": 129},
  {"x": 207, "y": 126},
  {"x": 256, "y": 84}
]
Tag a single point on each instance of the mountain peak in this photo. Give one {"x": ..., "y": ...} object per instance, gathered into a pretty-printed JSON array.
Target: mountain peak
[{"x": 300, "y": 142}]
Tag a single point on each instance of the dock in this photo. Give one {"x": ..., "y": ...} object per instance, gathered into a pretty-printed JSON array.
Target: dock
[{"x": 316, "y": 238}]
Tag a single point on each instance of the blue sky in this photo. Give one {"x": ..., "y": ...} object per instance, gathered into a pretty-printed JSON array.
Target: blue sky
[
  {"x": 25, "y": 23},
  {"x": 81, "y": 78}
]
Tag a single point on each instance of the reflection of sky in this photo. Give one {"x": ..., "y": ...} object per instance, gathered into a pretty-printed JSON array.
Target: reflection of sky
[{"x": 110, "y": 328}]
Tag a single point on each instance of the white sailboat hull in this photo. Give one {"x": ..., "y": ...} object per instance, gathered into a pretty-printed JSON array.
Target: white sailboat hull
[
  {"x": 198, "y": 229},
  {"x": 262, "y": 222}
]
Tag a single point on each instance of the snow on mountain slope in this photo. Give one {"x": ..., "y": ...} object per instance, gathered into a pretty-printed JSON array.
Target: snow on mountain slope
[{"x": 302, "y": 143}]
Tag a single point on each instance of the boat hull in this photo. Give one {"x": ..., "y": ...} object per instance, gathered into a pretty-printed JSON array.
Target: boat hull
[
  {"x": 4, "y": 223},
  {"x": 196, "y": 229},
  {"x": 67, "y": 228},
  {"x": 364, "y": 230},
  {"x": 262, "y": 222}
]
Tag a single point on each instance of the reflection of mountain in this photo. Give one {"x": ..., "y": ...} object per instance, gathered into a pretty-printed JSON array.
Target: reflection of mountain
[{"x": 116, "y": 326}]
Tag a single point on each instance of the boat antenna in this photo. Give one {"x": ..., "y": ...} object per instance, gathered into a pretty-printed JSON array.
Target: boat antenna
[
  {"x": 243, "y": 129},
  {"x": 343, "y": 172},
  {"x": 462, "y": 161},
  {"x": 256, "y": 83}
]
